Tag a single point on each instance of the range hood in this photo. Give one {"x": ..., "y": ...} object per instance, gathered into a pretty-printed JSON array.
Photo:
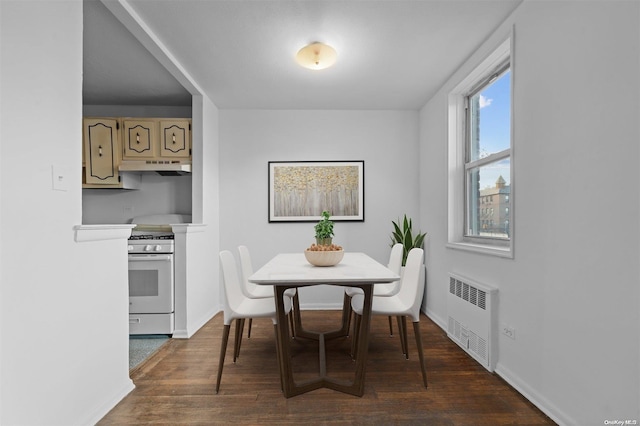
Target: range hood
[{"x": 164, "y": 168}]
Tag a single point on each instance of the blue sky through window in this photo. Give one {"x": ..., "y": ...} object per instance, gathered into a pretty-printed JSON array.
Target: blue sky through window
[{"x": 495, "y": 128}]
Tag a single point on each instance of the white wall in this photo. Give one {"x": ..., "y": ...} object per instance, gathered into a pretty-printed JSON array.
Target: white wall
[
  {"x": 571, "y": 292},
  {"x": 137, "y": 111},
  {"x": 387, "y": 141},
  {"x": 203, "y": 243},
  {"x": 63, "y": 310}
]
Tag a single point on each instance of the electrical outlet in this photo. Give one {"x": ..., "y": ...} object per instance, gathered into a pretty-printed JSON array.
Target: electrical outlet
[{"x": 510, "y": 332}]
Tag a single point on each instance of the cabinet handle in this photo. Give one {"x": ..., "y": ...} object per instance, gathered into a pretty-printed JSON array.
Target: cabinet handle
[
  {"x": 174, "y": 138},
  {"x": 138, "y": 138},
  {"x": 99, "y": 150}
]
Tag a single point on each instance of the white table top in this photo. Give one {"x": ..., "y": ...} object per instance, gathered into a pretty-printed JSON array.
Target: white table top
[{"x": 293, "y": 268}]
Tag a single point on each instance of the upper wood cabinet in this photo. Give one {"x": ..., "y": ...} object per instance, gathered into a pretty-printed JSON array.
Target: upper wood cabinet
[
  {"x": 175, "y": 138},
  {"x": 139, "y": 139},
  {"x": 111, "y": 144},
  {"x": 101, "y": 144}
]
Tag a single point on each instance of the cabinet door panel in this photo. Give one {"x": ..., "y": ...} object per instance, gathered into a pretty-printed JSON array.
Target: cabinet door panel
[
  {"x": 101, "y": 150},
  {"x": 175, "y": 137},
  {"x": 139, "y": 139}
]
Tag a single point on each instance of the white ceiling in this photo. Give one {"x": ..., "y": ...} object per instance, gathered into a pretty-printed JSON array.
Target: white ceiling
[{"x": 392, "y": 54}]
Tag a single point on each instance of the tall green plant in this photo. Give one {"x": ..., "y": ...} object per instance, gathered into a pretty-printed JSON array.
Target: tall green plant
[{"x": 405, "y": 237}]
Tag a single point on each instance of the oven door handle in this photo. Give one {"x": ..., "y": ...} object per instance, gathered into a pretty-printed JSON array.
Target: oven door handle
[{"x": 149, "y": 257}]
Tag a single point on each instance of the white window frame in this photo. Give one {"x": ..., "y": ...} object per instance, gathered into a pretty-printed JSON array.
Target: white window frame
[{"x": 457, "y": 151}]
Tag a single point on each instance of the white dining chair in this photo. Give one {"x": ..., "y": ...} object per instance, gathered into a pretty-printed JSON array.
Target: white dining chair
[
  {"x": 255, "y": 291},
  {"x": 251, "y": 290},
  {"x": 239, "y": 307},
  {"x": 381, "y": 289},
  {"x": 405, "y": 303}
]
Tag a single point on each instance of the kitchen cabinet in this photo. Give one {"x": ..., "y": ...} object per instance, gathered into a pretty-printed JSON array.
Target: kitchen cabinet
[
  {"x": 114, "y": 148},
  {"x": 156, "y": 139},
  {"x": 175, "y": 138},
  {"x": 101, "y": 150},
  {"x": 139, "y": 138}
]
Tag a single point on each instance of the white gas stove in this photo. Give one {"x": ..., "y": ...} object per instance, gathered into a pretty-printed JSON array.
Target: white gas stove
[{"x": 151, "y": 274}]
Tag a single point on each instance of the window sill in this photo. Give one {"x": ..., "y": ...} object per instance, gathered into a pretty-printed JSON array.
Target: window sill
[{"x": 506, "y": 252}]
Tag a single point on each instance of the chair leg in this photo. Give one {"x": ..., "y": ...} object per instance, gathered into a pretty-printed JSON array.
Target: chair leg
[
  {"x": 223, "y": 351},
  {"x": 390, "y": 327},
  {"x": 295, "y": 311},
  {"x": 403, "y": 319},
  {"x": 249, "y": 329},
  {"x": 238, "y": 338},
  {"x": 350, "y": 318},
  {"x": 346, "y": 314},
  {"x": 291, "y": 325},
  {"x": 403, "y": 336},
  {"x": 416, "y": 330}
]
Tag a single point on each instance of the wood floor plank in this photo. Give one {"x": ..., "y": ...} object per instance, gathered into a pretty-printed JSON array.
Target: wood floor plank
[{"x": 177, "y": 384}]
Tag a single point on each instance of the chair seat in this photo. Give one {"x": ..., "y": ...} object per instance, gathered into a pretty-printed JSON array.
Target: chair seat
[
  {"x": 379, "y": 289},
  {"x": 264, "y": 291},
  {"x": 390, "y": 306},
  {"x": 260, "y": 292},
  {"x": 256, "y": 308},
  {"x": 384, "y": 289}
]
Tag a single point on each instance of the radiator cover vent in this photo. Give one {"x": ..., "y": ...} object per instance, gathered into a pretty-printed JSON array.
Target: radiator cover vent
[
  {"x": 470, "y": 293},
  {"x": 472, "y": 309}
]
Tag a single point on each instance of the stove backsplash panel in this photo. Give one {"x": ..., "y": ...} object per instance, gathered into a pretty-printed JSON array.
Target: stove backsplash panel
[{"x": 157, "y": 195}]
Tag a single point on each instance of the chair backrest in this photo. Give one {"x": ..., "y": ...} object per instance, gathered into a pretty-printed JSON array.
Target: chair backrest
[
  {"x": 395, "y": 258},
  {"x": 412, "y": 287},
  {"x": 233, "y": 295},
  {"x": 395, "y": 264},
  {"x": 247, "y": 271}
]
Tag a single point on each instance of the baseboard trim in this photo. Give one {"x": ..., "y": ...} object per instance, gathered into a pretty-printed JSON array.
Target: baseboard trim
[
  {"x": 440, "y": 322},
  {"x": 197, "y": 325},
  {"x": 543, "y": 404},
  {"x": 534, "y": 397},
  {"x": 102, "y": 411}
]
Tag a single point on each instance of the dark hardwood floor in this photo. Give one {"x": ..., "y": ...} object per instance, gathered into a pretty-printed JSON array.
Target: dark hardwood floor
[{"x": 177, "y": 384}]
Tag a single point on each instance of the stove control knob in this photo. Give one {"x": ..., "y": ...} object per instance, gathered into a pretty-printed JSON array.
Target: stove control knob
[
  {"x": 158, "y": 247},
  {"x": 129, "y": 248},
  {"x": 148, "y": 247}
]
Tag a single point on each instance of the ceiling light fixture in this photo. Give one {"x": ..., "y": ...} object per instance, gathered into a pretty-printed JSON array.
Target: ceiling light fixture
[{"x": 316, "y": 56}]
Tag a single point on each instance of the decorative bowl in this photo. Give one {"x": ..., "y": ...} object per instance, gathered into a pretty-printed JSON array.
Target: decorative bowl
[{"x": 324, "y": 258}]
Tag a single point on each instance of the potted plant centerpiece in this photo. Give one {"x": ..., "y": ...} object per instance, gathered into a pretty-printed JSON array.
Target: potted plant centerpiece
[
  {"x": 324, "y": 230},
  {"x": 323, "y": 252},
  {"x": 405, "y": 236}
]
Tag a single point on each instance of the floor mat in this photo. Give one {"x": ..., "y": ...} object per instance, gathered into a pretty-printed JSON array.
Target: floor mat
[{"x": 143, "y": 346}]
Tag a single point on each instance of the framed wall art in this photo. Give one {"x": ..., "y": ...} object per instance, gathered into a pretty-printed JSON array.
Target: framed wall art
[{"x": 299, "y": 191}]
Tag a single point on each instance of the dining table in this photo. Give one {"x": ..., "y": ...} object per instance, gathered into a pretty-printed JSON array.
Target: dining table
[{"x": 292, "y": 270}]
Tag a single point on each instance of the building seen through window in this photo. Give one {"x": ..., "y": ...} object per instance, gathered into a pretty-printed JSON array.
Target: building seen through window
[{"x": 493, "y": 215}]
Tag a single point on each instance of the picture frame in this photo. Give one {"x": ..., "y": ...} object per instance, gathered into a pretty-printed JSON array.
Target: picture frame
[{"x": 299, "y": 191}]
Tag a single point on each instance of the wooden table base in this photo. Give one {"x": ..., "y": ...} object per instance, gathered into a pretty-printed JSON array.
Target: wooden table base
[{"x": 292, "y": 388}]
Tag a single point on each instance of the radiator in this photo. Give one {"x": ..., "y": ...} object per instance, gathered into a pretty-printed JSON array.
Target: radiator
[{"x": 472, "y": 311}]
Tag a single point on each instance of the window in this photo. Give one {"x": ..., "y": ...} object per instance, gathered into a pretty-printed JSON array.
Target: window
[
  {"x": 480, "y": 154},
  {"x": 487, "y": 153}
]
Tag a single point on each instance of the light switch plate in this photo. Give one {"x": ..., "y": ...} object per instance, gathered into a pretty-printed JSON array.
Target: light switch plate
[{"x": 60, "y": 178}]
